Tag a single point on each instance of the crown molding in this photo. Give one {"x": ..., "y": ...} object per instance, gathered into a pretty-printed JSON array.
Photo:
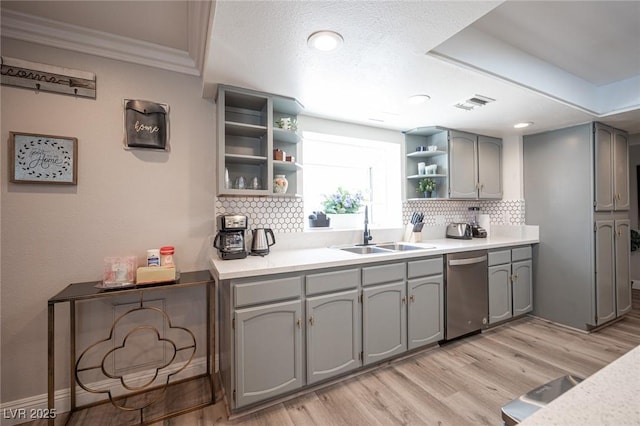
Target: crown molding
[
  {"x": 199, "y": 17},
  {"x": 52, "y": 33}
]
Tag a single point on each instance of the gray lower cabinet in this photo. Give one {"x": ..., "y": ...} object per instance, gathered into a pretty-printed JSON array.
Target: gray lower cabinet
[
  {"x": 613, "y": 283},
  {"x": 623, "y": 278},
  {"x": 333, "y": 335},
  {"x": 425, "y": 306},
  {"x": 384, "y": 321},
  {"x": 510, "y": 283},
  {"x": 500, "y": 307},
  {"x": 522, "y": 288},
  {"x": 268, "y": 345}
]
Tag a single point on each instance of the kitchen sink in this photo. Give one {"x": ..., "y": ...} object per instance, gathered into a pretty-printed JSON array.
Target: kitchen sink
[
  {"x": 365, "y": 249},
  {"x": 400, "y": 247},
  {"x": 384, "y": 248}
]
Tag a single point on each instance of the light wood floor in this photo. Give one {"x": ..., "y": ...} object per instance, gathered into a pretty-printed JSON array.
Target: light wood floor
[{"x": 462, "y": 383}]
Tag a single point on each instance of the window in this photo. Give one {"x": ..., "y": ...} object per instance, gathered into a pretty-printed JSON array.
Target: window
[{"x": 370, "y": 166}]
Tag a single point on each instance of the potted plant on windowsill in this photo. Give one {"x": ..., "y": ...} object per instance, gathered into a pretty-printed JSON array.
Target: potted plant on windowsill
[
  {"x": 343, "y": 207},
  {"x": 427, "y": 187}
]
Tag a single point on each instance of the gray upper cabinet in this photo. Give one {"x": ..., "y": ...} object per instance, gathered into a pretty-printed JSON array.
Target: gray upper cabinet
[
  {"x": 475, "y": 166},
  {"x": 384, "y": 321},
  {"x": 611, "y": 172},
  {"x": 463, "y": 165},
  {"x": 268, "y": 358},
  {"x": 333, "y": 335},
  {"x": 620, "y": 171},
  {"x": 623, "y": 279},
  {"x": 489, "y": 167},
  {"x": 247, "y": 136}
]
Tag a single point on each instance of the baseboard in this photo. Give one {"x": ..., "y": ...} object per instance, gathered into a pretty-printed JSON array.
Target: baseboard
[
  {"x": 35, "y": 407},
  {"x": 635, "y": 284}
]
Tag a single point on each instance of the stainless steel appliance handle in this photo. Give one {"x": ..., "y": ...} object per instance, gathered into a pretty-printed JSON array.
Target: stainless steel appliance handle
[{"x": 469, "y": 261}]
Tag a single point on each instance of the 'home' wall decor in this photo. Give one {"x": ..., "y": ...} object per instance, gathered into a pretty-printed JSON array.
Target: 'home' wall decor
[
  {"x": 146, "y": 125},
  {"x": 38, "y": 158}
]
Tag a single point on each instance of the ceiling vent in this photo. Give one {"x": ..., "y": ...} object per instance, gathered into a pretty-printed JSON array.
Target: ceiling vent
[{"x": 474, "y": 102}]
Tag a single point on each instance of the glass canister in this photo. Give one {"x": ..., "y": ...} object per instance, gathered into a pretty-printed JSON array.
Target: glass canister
[
  {"x": 166, "y": 256},
  {"x": 280, "y": 184}
]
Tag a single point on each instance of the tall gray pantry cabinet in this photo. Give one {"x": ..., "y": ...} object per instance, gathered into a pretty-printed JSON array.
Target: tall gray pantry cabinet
[{"x": 576, "y": 187}]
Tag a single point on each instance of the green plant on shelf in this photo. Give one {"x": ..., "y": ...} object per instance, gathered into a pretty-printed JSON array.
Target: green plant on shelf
[{"x": 426, "y": 185}]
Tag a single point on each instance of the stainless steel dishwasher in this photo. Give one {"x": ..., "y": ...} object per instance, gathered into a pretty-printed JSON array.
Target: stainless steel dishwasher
[{"x": 467, "y": 298}]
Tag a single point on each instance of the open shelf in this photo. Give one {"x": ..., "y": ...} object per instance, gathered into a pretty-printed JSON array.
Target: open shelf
[
  {"x": 247, "y": 159},
  {"x": 426, "y": 154}
]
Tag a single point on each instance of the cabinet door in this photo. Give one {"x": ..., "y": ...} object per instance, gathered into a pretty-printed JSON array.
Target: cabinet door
[
  {"x": 384, "y": 321},
  {"x": 500, "y": 293},
  {"x": 603, "y": 173},
  {"x": 623, "y": 254},
  {"x": 268, "y": 351},
  {"x": 425, "y": 315},
  {"x": 489, "y": 168},
  {"x": 333, "y": 335},
  {"x": 605, "y": 274},
  {"x": 463, "y": 171},
  {"x": 522, "y": 288},
  {"x": 621, "y": 171}
]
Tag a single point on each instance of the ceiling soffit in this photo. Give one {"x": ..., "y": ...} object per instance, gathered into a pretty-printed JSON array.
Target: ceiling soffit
[
  {"x": 49, "y": 32},
  {"x": 564, "y": 55}
]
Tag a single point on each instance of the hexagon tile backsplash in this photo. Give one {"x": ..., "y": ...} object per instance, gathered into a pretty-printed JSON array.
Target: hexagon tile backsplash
[
  {"x": 285, "y": 214},
  {"x": 282, "y": 214}
]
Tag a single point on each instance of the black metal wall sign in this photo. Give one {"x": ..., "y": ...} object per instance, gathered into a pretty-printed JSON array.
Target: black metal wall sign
[
  {"x": 146, "y": 124},
  {"x": 47, "y": 78}
]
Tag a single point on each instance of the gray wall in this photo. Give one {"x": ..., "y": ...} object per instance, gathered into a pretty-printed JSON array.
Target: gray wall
[{"x": 125, "y": 202}]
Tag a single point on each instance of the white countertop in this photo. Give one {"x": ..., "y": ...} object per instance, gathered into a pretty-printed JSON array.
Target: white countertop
[
  {"x": 282, "y": 260},
  {"x": 611, "y": 396}
]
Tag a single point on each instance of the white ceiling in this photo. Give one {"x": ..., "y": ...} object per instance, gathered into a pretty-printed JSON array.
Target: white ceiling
[{"x": 553, "y": 63}]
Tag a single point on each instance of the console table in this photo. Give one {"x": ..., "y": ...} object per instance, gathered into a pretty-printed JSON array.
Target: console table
[{"x": 87, "y": 291}]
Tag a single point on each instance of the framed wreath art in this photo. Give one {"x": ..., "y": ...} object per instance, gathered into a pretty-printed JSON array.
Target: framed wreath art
[{"x": 47, "y": 159}]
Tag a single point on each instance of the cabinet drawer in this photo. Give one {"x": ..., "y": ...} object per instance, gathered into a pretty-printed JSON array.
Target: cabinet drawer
[
  {"x": 332, "y": 281},
  {"x": 253, "y": 293},
  {"x": 499, "y": 257},
  {"x": 422, "y": 268},
  {"x": 521, "y": 253},
  {"x": 383, "y": 273}
]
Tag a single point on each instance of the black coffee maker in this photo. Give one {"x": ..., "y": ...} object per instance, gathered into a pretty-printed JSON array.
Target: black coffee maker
[{"x": 230, "y": 240}]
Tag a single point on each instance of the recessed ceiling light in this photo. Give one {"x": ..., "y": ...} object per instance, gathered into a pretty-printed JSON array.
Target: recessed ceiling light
[
  {"x": 325, "y": 41},
  {"x": 522, "y": 125},
  {"x": 418, "y": 99}
]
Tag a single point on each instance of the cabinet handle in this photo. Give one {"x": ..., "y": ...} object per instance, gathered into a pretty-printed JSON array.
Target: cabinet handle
[
  {"x": 404, "y": 300},
  {"x": 299, "y": 323},
  {"x": 311, "y": 320},
  {"x": 412, "y": 298}
]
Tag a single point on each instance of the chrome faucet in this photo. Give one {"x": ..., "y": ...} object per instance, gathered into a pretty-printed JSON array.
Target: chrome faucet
[{"x": 367, "y": 234}]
